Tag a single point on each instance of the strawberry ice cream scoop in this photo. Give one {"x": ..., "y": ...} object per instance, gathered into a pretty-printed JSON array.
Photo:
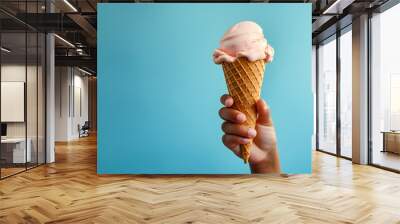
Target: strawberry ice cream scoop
[{"x": 244, "y": 39}]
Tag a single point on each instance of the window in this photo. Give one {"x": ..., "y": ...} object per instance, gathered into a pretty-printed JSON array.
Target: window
[
  {"x": 346, "y": 93},
  {"x": 327, "y": 96},
  {"x": 394, "y": 102},
  {"x": 385, "y": 89}
]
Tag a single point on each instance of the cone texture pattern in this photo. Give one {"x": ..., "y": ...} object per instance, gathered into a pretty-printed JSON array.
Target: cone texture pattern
[{"x": 244, "y": 80}]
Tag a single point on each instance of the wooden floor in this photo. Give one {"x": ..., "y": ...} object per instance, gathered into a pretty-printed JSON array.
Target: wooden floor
[
  {"x": 9, "y": 171},
  {"x": 5, "y": 172},
  {"x": 387, "y": 159},
  {"x": 69, "y": 191}
]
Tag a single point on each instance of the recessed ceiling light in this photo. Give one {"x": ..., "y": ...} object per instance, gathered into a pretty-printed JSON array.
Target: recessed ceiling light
[
  {"x": 5, "y": 50},
  {"x": 70, "y": 5},
  {"x": 337, "y": 7},
  {"x": 64, "y": 40},
  {"x": 84, "y": 71}
]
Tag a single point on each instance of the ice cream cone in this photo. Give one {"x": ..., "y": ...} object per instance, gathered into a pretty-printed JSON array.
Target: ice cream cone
[
  {"x": 243, "y": 53},
  {"x": 244, "y": 79}
]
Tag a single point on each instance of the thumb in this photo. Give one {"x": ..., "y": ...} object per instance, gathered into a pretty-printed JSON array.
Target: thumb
[{"x": 264, "y": 114}]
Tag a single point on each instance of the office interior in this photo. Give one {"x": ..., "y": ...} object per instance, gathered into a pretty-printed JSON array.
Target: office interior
[
  {"x": 49, "y": 93},
  {"x": 334, "y": 91},
  {"x": 45, "y": 88}
]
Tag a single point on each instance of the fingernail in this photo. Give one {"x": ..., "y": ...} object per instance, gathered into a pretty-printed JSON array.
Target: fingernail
[
  {"x": 228, "y": 102},
  {"x": 241, "y": 117},
  {"x": 245, "y": 140},
  {"x": 251, "y": 133}
]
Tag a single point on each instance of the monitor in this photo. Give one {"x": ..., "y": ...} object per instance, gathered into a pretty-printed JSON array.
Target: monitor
[{"x": 3, "y": 129}]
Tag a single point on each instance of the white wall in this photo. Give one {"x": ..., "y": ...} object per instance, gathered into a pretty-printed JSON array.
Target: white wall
[
  {"x": 16, "y": 72},
  {"x": 10, "y": 73},
  {"x": 80, "y": 110},
  {"x": 62, "y": 82},
  {"x": 70, "y": 83},
  {"x": 33, "y": 127}
]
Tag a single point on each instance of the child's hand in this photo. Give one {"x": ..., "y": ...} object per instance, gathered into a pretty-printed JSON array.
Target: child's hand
[{"x": 264, "y": 154}]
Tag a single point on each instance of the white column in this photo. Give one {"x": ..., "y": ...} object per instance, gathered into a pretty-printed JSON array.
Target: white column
[
  {"x": 360, "y": 90},
  {"x": 50, "y": 92}
]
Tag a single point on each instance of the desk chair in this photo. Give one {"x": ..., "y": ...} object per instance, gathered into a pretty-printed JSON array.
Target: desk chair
[{"x": 84, "y": 130}]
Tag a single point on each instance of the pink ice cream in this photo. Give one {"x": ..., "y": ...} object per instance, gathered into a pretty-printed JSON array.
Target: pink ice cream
[{"x": 244, "y": 39}]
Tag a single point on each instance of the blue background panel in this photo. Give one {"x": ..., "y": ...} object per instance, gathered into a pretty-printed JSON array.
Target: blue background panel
[{"x": 158, "y": 88}]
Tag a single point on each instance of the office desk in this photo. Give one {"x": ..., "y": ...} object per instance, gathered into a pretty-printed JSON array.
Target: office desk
[
  {"x": 391, "y": 141},
  {"x": 13, "y": 150}
]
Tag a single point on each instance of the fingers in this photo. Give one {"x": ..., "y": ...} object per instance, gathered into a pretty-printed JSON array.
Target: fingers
[
  {"x": 233, "y": 142},
  {"x": 228, "y": 113},
  {"x": 264, "y": 113},
  {"x": 232, "y": 115},
  {"x": 226, "y": 100},
  {"x": 238, "y": 130},
  {"x": 235, "y": 134}
]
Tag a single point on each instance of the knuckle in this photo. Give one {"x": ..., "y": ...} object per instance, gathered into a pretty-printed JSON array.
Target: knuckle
[
  {"x": 231, "y": 146},
  {"x": 239, "y": 129},
  {"x": 224, "y": 126},
  {"x": 224, "y": 140}
]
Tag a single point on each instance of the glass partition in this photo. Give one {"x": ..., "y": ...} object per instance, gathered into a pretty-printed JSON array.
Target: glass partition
[
  {"x": 41, "y": 107},
  {"x": 32, "y": 95},
  {"x": 14, "y": 153},
  {"x": 22, "y": 101}
]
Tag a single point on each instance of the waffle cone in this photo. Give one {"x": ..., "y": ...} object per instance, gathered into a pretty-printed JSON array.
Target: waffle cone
[{"x": 244, "y": 80}]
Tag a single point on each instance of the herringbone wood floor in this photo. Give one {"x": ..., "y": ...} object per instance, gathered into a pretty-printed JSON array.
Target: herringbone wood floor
[{"x": 69, "y": 191}]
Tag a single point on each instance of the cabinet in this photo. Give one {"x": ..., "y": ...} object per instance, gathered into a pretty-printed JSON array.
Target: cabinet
[{"x": 391, "y": 142}]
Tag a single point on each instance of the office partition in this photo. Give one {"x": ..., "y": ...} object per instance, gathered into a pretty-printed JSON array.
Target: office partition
[{"x": 22, "y": 106}]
